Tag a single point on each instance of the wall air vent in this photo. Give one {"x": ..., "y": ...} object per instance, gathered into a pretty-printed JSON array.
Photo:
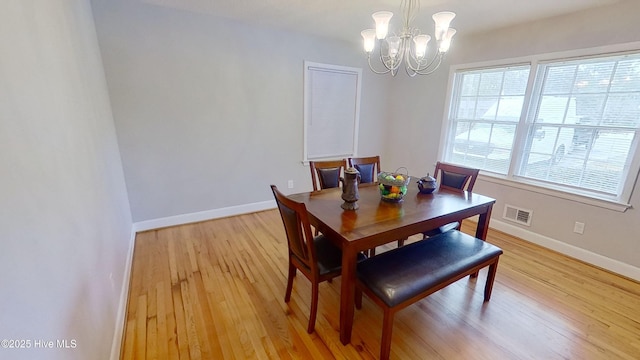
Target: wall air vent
[{"x": 518, "y": 215}]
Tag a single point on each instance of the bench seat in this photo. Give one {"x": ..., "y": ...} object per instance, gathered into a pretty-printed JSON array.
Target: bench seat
[{"x": 400, "y": 277}]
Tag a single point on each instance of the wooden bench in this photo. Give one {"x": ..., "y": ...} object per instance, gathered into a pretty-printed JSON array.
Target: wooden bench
[{"x": 400, "y": 277}]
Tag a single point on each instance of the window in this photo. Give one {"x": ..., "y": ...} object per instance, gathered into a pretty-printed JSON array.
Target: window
[
  {"x": 331, "y": 110},
  {"x": 487, "y": 109},
  {"x": 572, "y": 125}
]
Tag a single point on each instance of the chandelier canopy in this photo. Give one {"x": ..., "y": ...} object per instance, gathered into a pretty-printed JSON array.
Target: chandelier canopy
[{"x": 409, "y": 46}]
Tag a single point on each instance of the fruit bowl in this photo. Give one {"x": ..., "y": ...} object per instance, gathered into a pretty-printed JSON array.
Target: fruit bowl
[{"x": 392, "y": 185}]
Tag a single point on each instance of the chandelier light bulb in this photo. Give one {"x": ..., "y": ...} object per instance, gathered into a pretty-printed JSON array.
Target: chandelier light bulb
[
  {"x": 446, "y": 41},
  {"x": 420, "y": 43},
  {"x": 369, "y": 37},
  {"x": 394, "y": 45},
  {"x": 382, "y": 19},
  {"x": 443, "y": 20}
]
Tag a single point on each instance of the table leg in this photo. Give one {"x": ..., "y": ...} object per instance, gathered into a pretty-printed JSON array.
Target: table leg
[
  {"x": 483, "y": 224},
  {"x": 347, "y": 293},
  {"x": 483, "y": 228}
]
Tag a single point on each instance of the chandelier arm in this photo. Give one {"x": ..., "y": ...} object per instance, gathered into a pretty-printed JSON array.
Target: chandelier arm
[
  {"x": 389, "y": 62},
  {"x": 410, "y": 71},
  {"x": 436, "y": 57},
  {"x": 377, "y": 71},
  {"x": 423, "y": 72},
  {"x": 392, "y": 65}
]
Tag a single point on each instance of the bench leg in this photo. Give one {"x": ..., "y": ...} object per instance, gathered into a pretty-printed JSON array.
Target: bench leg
[
  {"x": 488, "y": 287},
  {"x": 387, "y": 328}
]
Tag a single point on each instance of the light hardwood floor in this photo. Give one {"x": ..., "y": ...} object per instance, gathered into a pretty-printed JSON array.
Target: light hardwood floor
[{"x": 215, "y": 290}]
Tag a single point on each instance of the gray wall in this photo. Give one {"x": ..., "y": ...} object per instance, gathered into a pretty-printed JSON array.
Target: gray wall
[
  {"x": 608, "y": 233},
  {"x": 65, "y": 223},
  {"x": 209, "y": 111}
]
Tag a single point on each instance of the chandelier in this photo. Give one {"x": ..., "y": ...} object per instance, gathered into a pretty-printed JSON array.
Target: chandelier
[{"x": 409, "y": 46}]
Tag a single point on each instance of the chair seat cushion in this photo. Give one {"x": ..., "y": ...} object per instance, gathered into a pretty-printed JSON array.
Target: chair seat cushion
[
  {"x": 400, "y": 274},
  {"x": 329, "y": 256}
]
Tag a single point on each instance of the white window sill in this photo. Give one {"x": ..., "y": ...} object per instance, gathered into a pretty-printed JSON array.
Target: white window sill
[{"x": 583, "y": 199}]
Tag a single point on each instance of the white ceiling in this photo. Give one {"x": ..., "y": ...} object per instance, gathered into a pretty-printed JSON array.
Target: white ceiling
[{"x": 344, "y": 19}]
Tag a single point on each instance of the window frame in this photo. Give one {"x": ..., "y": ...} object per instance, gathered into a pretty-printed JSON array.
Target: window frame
[{"x": 511, "y": 179}]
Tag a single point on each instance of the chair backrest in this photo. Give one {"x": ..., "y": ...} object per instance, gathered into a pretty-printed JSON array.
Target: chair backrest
[
  {"x": 368, "y": 167},
  {"x": 455, "y": 176},
  {"x": 326, "y": 174},
  {"x": 298, "y": 230}
]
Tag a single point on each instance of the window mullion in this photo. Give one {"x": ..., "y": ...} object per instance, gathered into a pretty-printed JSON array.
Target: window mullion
[{"x": 523, "y": 122}]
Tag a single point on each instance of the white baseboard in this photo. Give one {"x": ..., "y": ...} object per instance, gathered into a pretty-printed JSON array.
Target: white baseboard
[
  {"x": 203, "y": 215},
  {"x": 598, "y": 260},
  {"x": 116, "y": 343}
]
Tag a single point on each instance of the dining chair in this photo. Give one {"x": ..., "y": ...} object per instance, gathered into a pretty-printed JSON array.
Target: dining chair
[
  {"x": 326, "y": 174},
  {"x": 454, "y": 177},
  {"x": 316, "y": 257},
  {"x": 368, "y": 167}
]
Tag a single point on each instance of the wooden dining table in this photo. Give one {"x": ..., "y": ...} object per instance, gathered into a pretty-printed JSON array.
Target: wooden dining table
[{"x": 377, "y": 222}]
